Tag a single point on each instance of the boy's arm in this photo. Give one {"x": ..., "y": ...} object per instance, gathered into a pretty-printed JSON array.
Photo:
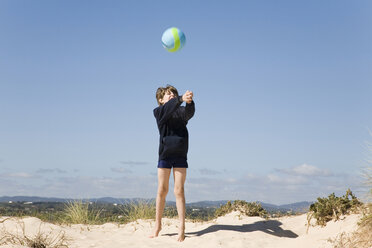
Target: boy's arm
[
  {"x": 163, "y": 112},
  {"x": 189, "y": 110}
]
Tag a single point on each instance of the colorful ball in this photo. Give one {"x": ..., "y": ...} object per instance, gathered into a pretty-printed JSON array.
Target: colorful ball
[{"x": 173, "y": 39}]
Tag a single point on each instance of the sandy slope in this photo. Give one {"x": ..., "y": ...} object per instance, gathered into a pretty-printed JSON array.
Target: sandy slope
[{"x": 231, "y": 230}]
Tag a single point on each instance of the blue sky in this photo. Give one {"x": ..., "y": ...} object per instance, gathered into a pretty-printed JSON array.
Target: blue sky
[{"x": 282, "y": 92}]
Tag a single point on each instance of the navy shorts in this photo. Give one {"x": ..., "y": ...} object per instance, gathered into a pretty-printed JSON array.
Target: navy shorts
[{"x": 173, "y": 162}]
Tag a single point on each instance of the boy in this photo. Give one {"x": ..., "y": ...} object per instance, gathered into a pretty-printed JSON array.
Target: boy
[{"x": 172, "y": 119}]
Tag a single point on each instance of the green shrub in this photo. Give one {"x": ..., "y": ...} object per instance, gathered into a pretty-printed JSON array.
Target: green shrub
[
  {"x": 326, "y": 209},
  {"x": 246, "y": 208}
]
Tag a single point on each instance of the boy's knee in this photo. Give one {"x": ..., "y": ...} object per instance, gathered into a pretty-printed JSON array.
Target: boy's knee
[
  {"x": 179, "y": 191},
  {"x": 163, "y": 190}
]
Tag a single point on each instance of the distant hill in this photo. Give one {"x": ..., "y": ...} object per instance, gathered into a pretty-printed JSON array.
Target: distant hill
[
  {"x": 31, "y": 199},
  {"x": 298, "y": 207},
  {"x": 207, "y": 204},
  {"x": 53, "y": 199}
]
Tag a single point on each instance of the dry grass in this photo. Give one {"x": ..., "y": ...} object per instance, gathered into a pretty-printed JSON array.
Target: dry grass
[
  {"x": 362, "y": 237},
  {"x": 42, "y": 239},
  {"x": 78, "y": 212},
  {"x": 138, "y": 210},
  {"x": 367, "y": 172}
]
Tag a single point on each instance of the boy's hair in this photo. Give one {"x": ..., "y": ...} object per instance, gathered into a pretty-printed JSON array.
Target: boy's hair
[{"x": 160, "y": 92}]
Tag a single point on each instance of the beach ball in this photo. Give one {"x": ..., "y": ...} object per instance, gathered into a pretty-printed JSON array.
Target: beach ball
[{"x": 173, "y": 39}]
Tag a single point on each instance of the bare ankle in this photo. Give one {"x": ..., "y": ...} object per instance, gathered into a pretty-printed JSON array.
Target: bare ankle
[
  {"x": 181, "y": 235},
  {"x": 156, "y": 231}
]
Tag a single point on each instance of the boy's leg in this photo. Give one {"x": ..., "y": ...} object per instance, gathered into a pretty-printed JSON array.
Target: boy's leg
[
  {"x": 163, "y": 185},
  {"x": 179, "y": 182}
]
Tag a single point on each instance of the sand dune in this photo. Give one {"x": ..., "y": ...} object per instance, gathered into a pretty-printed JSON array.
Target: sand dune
[{"x": 231, "y": 230}]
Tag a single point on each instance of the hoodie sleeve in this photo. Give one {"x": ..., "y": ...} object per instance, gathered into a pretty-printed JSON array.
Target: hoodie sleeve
[
  {"x": 163, "y": 112},
  {"x": 189, "y": 110}
]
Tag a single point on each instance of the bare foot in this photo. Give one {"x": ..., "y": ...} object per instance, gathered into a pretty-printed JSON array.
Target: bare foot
[
  {"x": 181, "y": 234},
  {"x": 155, "y": 233},
  {"x": 181, "y": 237}
]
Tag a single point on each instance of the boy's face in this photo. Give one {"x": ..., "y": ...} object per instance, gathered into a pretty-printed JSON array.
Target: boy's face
[{"x": 168, "y": 95}]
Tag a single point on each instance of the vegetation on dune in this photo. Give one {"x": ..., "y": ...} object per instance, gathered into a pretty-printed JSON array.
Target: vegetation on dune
[
  {"x": 366, "y": 220},
  {"x": 362, "y": 237},
  {"x": 93, "y": 213},
  {"x": 42, "y": 239},
  {"x": 79, "y": 212},
  {"x": 140, "y": 210},
  {"x": 332, "y": 207},
  {"x": 246, "y": 208},
  {"x": 84, "y": 213}
]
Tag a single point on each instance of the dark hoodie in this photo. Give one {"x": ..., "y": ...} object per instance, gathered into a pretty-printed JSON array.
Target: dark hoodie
[{"x": 172, "y": 119}]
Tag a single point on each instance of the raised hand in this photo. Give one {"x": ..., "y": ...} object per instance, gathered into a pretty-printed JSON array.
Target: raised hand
[{"x": 187, "y": 97}]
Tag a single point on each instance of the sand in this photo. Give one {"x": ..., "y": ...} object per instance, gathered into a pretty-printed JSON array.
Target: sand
[{"x": 232, "y": 230}]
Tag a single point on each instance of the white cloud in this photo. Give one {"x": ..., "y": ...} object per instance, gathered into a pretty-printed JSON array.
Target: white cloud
[
  {"x": 120, "y": 170},
  {"x": 56, "y": 170},
  {"x": 306, "y": 170},
  {"x": 276, "y": 187},
  {"x": 292, "y": 180},
  {"x": 19, "y": 175},
  {"x": 92, "y": 186},
  {"x": 209, "y": 172},
  {"x": 300, "y": 183},
  {"x": 129, "y": 162}
]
